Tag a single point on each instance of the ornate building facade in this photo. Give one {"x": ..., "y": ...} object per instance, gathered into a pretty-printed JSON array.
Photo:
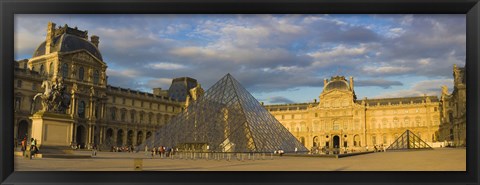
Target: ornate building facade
[
  {"x": 103, "y": 114},
  {"x": 453, "y": 110},
  {"x": 340, "y": 120}
]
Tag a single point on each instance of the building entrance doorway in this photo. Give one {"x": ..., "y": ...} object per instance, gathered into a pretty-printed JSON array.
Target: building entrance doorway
[
  {"x": 22, "y": 131},
  {"x": 81, "y": 136},
  {"x": 336, "y": 142}
]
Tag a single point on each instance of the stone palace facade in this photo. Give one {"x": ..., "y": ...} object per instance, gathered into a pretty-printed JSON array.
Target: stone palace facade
[
  {"x": 116, "y": 116},
  {"x": 103, "y": 114},
  {"x": 341, "y": 120}
]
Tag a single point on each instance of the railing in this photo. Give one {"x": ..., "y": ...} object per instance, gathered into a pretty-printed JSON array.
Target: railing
[{"x": 228, "y": 156}]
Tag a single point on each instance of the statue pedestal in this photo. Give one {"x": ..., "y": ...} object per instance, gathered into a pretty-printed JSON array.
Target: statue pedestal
[{"x": 52, "y": 129}]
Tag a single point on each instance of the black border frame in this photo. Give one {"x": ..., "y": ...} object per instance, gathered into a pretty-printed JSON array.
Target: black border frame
[{"x": 10, "y": 7}]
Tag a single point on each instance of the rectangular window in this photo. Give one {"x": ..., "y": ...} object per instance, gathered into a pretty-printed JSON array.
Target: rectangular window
[{"x": 435, "y": 109}]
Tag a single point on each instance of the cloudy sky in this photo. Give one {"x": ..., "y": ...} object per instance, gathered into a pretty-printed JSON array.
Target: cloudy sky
[{"x": 278, "y": 58}]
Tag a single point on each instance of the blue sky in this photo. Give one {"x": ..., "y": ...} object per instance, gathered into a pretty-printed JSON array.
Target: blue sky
[{"x": 278, "y": 58}]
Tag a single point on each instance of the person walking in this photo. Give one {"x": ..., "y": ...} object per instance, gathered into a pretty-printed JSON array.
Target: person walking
[
  {"x": 33, "y": 147},
  {"x": 24, "y": 146},
  {"x": 94, "y": 150}
]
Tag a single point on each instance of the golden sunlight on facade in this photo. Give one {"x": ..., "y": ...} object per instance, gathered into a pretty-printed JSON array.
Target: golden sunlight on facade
[{"x": 340, "y": 120}]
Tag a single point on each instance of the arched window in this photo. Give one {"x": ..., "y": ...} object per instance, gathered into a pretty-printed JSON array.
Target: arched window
[
  {"x": 81, "y": 72},
  {"x": 50, "y": 70},
  {"x": 95, "y": 77},
  {"x": 356, "y": 140},
  {"x": 64, "y": 70},
  {"x": 42, "y": 69},
  {"x": 374, "y": 140},
  {"x": 81, "y": 109}
]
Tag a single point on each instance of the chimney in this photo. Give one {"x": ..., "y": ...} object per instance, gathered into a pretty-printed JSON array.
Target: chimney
[
  {"x": 325, "y": 81},
  {"x": 315, "y": 100},
  {"x": 50, "y": 35},
  {"x": 351, "y": 83},
  {"x": 95, "y": 40}
]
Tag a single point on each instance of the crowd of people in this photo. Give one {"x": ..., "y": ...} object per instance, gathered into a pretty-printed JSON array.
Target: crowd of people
[{"x": 162, "y": 151}]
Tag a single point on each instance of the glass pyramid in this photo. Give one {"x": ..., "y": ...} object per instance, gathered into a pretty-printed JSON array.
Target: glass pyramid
[
  {"x": 408, "y": 140},
  {"x": 226, "y": 119}
]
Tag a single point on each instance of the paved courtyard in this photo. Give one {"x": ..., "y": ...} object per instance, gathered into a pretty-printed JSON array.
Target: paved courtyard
[{"x": 442, "y": 159}]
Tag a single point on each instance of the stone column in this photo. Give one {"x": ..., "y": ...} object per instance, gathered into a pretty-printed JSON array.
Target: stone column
[
  {"x": 101, "y": 135},
  {"x": 74, "y": 130},
  {"x": 73, "y": 105},
  {"x": 134, "y": 137},
  {"x": 144, "y": 139},
  {"x": 89, "y": 135}
]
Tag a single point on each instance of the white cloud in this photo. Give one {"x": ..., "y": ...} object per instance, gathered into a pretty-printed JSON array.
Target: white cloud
[
  {"x": 426, "y": 87},
  {"x": 166, "y": 66},
  {"x": 340, "y": 50},
  {"x": 395, "y": 32},
  {"x": 387, "y": 69}
]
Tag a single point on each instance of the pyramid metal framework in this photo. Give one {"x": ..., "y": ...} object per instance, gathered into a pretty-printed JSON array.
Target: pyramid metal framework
[
  {"x": 408, "y": 140},
  {"x": 226, "y": 119}
]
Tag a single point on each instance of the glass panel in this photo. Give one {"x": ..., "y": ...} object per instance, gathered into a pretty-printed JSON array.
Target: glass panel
[{"x": 226, "y": 119}]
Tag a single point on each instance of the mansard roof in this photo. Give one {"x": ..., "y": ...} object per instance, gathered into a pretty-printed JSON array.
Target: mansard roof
[
  {"x": 66, "y": 42},
  {"x": 337, "y": 83}
]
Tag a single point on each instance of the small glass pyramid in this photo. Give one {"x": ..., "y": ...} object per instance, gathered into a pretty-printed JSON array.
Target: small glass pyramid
[
  {"x": 408, "y": 140},
  {"x": 226, "y": 119}
]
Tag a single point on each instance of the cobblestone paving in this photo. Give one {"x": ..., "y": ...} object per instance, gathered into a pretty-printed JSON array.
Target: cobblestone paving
[{"x": 443, "y": 159}]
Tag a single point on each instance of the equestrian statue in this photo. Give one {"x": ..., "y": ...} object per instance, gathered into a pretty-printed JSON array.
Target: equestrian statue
[{"x": 54, "y": 98}]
